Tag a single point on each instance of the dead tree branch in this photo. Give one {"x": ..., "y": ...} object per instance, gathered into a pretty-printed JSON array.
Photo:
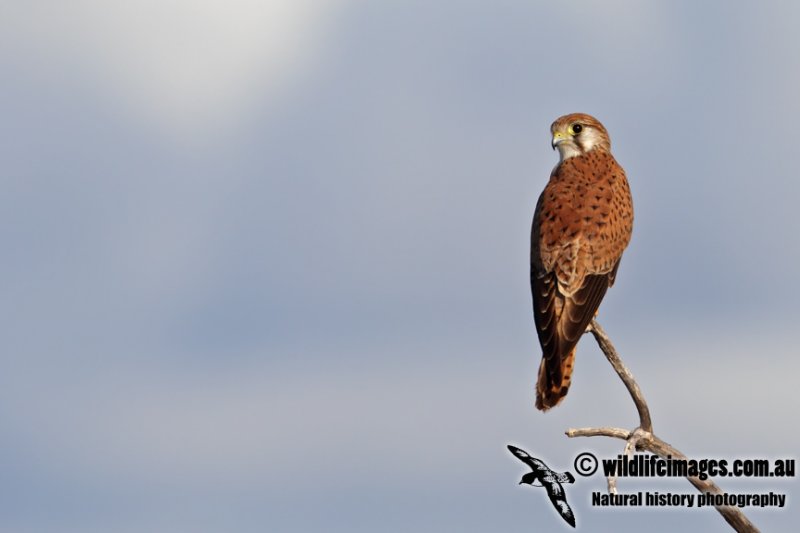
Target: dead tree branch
[{"x": 643, "y": 438}]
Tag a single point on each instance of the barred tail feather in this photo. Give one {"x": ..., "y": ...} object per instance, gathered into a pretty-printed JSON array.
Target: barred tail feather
[{"x": 553, "y": 383}]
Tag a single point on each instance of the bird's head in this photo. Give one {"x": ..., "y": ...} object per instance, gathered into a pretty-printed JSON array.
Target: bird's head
[
  {"x": 577, "y": 134},
  {"x": 528, "y": 479}
]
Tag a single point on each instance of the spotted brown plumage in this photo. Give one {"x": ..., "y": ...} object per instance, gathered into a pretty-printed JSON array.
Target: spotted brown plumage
[{"x": 581, "y": 226}]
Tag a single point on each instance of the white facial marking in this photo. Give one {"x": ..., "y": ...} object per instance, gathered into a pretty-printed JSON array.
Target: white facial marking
[
  {"x": 568, "y": 149},
  {"x": 590, "y": 137}
]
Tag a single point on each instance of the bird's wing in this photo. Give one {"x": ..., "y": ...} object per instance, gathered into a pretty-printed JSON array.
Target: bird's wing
[
  {"x": 543, "y": 286},
  {"x": 579, "y": 309},
  {"x": 559, "y": 332},
  {"x": 536, "y": 464},
  {"x": 559, "y": 499}
]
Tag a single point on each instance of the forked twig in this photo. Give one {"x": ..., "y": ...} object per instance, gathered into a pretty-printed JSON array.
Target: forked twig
[{"x": 643, "y": 438}]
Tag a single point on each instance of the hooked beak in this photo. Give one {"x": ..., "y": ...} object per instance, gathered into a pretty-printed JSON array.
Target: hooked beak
[{"x": 558, "y": 138}]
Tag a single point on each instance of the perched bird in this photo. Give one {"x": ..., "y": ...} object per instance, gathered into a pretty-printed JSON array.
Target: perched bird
[
  {"x": 548, "y": 479},
  {"x": 582, "y": 224}
]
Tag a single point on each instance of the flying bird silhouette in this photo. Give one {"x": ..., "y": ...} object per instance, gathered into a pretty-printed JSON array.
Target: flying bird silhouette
[{"x": 548, "y": 479}]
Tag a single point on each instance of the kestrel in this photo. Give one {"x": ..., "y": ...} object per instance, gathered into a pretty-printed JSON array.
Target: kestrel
[{"x": 582, "y": 224}]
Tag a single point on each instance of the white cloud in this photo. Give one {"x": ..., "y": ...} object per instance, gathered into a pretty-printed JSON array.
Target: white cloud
[{"x": 188, "y": 64}]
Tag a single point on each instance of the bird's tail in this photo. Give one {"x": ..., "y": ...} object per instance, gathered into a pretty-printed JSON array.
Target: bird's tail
[{"x": 553, "y": 382}]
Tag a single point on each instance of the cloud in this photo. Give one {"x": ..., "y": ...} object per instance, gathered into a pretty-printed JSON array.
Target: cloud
[{"x": 184, "y": 64}]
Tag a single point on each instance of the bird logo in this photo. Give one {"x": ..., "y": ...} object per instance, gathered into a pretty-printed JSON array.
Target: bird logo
[{"x": 548, "y": 479}]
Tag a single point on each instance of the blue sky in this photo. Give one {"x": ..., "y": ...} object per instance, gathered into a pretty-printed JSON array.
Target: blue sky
[{"x": 266, "y": 263}]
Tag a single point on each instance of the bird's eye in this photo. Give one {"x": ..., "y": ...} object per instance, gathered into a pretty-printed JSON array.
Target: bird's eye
[{"x": 576, "y": 129}]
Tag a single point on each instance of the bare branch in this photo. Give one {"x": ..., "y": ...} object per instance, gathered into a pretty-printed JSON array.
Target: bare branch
[
  {"x": 617, "y": 433},
  {"x": 643, "y": 438},
  {"x": 624, "y": 374}
]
